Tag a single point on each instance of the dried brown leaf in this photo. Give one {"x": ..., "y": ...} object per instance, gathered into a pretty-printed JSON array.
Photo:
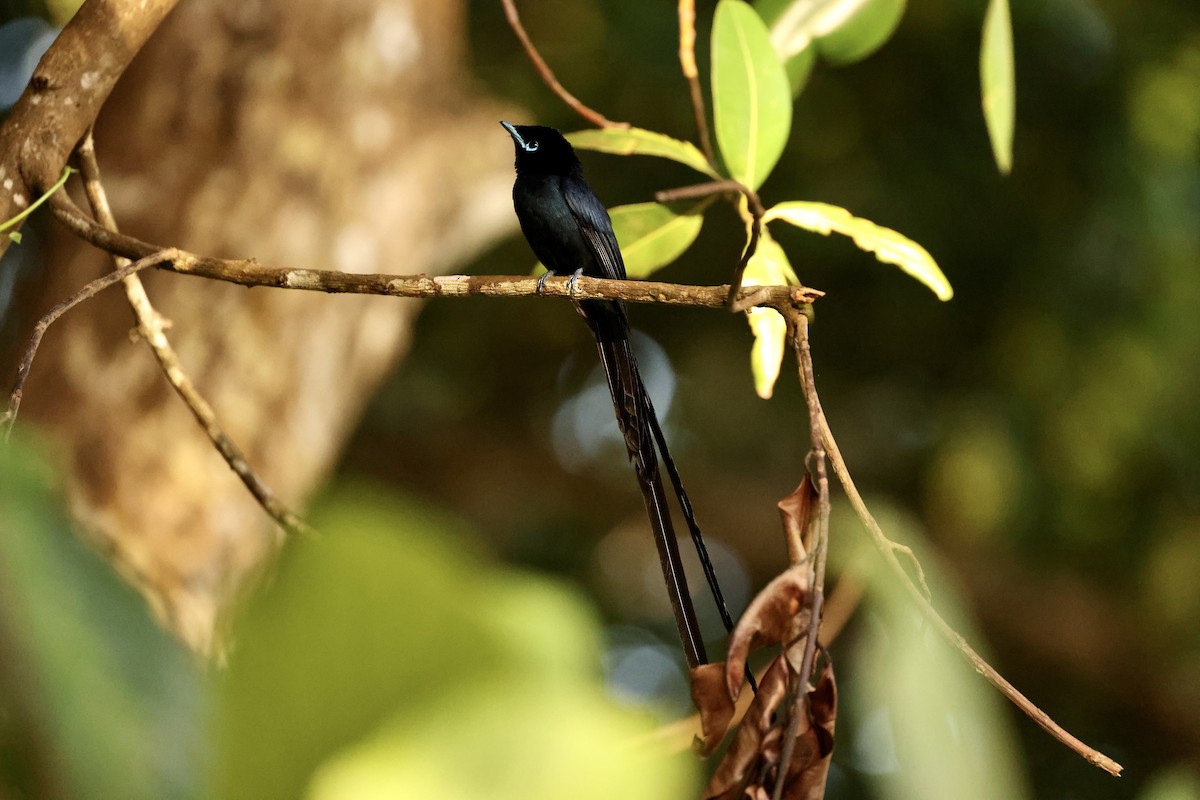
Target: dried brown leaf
[
  {"x": 778, "y": 614},
  {"x": 715, "y": 705},
  {"x": 795, "y": 512},
  {"x": 756, "y": 742},
  {"x": 751, "y": 764},
  {"x": 809, "y": 768}
]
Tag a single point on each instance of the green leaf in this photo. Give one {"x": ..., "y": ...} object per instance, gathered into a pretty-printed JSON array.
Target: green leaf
[
  {"x": 752, "y": 99},
  {"x": 888, "y": 246},
  {"x": 799, "y": 67},
  {"x": 998, "y": 82},
  {"x": 842, "y": 31},
  {"x": 653, "y": 235},
  {"x": 15, "y": 236},
  {"x": 636, "y": 141},
  {"x": 860, "y": 33},
  {"x": 767, "y": 267},
  {"x": 95, "y": 696},
  {"x": 386, "y": 655}
]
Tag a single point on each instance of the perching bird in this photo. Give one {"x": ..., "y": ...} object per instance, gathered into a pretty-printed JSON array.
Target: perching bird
[{"x": 570, "y": 232}]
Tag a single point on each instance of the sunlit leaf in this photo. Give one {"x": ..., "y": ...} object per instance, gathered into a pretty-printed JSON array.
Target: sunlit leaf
[
  {"x": 653, "y": 235},
  {"x": 842, "y": 31},
  {"x": 752, "y": 100},
  {"x": 998, "y": 82},
  {"x": 15, "y": 236},
  {"x": 636, "y": 141},
  {"x": 768, "y": 267},
  {"x": 766, "y": 357},
  {"x": 888, "y": 246}
]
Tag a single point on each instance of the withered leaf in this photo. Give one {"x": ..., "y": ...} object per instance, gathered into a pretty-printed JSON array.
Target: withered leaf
[
  {"x": 778, "y": 614},
  {"x": 751, "y": 765},
  {"x": 795, "y": 512},
  {"x": 809, "y": 768},
  {"x": 715, "y": 705},
  {"x": 756, "y": 742}
]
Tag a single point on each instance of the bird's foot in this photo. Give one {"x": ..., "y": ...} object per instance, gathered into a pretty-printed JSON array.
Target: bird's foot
[
  {"x": 573, "y": 282},
  {"x": 542, "y": 281}
]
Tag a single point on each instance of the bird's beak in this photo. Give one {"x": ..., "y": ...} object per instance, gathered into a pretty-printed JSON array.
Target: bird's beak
[{"x": 512, "y": 131}]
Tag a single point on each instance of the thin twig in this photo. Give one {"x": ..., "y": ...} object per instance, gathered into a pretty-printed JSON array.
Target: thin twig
[
  {"x": 818, "y": 545},
  {"x": 251, "y": 273},
  {"x": 754, "y": 225},
  {"x": 591, "y": 115},
  {"x": 9, "y": 417},
  {"x": 687, "y": 60},
  {"x": 152, "y": 327},
  {"x": 885, "y": 546}
]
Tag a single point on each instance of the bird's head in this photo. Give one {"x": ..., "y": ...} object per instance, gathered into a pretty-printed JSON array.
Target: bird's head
[{"x": 541, "y": 150}]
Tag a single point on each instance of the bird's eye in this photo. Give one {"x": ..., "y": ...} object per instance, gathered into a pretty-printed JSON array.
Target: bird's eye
[{"x": 531, "y": 146}]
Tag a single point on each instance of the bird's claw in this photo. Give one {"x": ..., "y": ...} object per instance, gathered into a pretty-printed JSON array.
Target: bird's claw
[
  {"x": 541, "y": 284},
  {"x": 573, "y": 282}
]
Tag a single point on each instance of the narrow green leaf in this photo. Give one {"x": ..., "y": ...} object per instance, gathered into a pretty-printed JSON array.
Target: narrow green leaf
[
  {"x": 752, "y": 99},
  {"x": 11, "y": 221},
  {"x": 653, "y": 235},
  {"x": 888, "y": 246},
  {"x": 767, "y": 267},
  {"x": 636, "y": 141},
  {"x": 998, "y": 82}
]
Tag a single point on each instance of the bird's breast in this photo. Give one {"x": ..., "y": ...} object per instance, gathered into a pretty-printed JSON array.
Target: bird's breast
[{"x": 549, "y": 226}]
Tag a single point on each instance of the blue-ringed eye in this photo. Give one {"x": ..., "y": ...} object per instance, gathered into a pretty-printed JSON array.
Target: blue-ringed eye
[{"x": 531, "y": 146}]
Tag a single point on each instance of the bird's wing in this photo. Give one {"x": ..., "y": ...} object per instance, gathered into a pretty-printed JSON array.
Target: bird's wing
[{"x": 593, "y": 221}]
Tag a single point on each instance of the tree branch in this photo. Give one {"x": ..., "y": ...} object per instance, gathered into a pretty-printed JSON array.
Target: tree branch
[
  {"x": 251, "y": 273},
  {"x": 69, "y": 86},
  {"x": 687, "y": 61},
  {"x": 152, "y": 327},
  {"x": 9, "y": 418},
  {"x": 817, "y": 546},
  {"x": 543, "y": 69},
  {"x": 887, "y": 549},
  {"x": 735, "y": 298}
]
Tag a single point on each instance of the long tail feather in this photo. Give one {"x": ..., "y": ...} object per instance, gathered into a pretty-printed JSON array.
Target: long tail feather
[
  {"x": 689, "y": 516},
  {"x": 634, "y": 416}
]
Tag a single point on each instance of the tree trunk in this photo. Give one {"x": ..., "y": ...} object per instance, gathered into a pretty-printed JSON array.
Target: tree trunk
[{"x": 306, "y": 134}]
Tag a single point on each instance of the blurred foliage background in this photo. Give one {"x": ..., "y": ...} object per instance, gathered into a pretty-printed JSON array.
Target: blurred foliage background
[{"x": 1035, "y": 440}]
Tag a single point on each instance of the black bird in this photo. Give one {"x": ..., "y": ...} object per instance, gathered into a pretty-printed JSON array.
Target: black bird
[{"x": 570, "y": 232}]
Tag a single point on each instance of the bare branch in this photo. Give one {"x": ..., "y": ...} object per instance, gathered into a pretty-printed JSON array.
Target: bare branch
[
  {"x": 818, "y": 544},
  {"x": 9, "y": 418},
  {"x": 687, "y": 60},
  {"x": 152, "y": 327},
  {"x": 69, "y": 86},
  {"x": 251, "y": 273},
  {"x": 735, "y": 298},
  {"x": 888, "y": 550},
  {"x": 591, "y": 115}
]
